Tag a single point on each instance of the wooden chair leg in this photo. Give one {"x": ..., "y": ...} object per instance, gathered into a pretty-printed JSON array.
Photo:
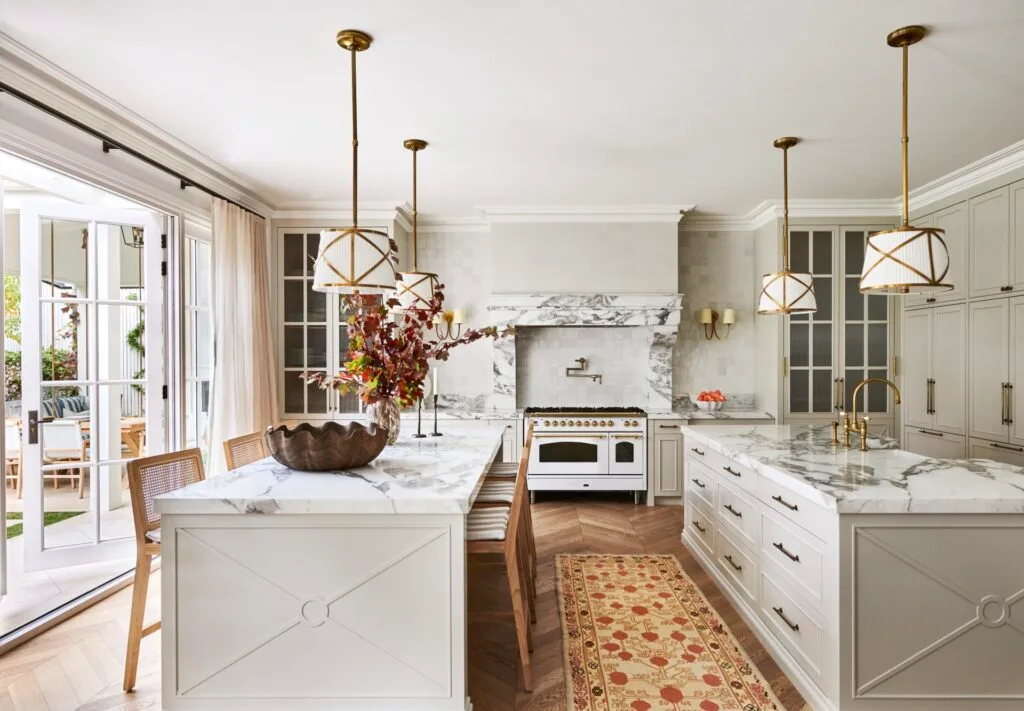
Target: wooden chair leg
[
  {"x": 139, "y": 592},
  {"x": 519, "y": 620},
  {"x": 81, "y": 482}
]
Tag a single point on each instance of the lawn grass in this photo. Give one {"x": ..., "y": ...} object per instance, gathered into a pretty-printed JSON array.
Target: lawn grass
[{"x": 48, "y": 518}]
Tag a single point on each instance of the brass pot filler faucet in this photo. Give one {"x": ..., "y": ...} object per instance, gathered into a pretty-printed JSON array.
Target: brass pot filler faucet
[{"x": 860, "y": 427}]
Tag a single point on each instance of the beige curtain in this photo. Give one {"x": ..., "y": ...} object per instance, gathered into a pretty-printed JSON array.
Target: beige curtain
[{"x": 244, "y": 375}]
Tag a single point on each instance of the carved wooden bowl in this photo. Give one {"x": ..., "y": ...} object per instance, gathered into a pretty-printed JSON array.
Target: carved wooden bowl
[{"x": 325, "y": 448}]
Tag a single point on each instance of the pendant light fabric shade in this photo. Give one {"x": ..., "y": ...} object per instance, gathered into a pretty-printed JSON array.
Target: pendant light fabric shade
[
  {"x": 355, "y": 259},
  {"x": 904, "y": 261},
  {"x": 787, "y": 292},
  {"x": 416, "y": 289}
]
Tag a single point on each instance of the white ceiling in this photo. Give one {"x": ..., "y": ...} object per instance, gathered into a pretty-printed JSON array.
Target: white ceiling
[{"x": 579, "y": 102}]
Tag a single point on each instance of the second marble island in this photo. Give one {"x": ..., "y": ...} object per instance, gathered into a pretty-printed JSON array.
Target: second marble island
[{"x": 879, "y": 580}]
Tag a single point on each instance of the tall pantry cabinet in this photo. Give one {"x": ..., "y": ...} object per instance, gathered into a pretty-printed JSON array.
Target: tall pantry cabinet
[{"x": 963, "y": 350}]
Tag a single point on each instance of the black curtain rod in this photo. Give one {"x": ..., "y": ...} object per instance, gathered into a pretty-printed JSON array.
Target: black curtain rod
[{"x": 109, "y": 144}]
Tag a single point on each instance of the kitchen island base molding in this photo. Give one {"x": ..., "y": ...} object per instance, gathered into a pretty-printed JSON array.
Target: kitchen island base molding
[{"x": 380, "y": 599}]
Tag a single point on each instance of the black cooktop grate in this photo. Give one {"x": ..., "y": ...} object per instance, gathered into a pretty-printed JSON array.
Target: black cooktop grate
[{"x": 583, "y": 411}]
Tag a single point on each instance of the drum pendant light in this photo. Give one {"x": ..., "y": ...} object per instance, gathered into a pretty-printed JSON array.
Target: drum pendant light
[
  {"x": 786, "y": 292},
  {"x": 355, "y": 259},
  {"x": 415, "y": 288},
  {"x": 907, "y": 259}
]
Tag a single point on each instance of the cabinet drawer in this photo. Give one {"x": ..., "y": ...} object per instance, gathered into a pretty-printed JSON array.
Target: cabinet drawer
[
  {"x": 701, "y": 527},
  {"x": 795, "y": 628},
  {"x": 738, "y": 565},
  {"x": 1007, "y": 453},
  {"x": 795, "y": 507},
  {"x": 701, "y": 482},
  {"x": 739, "y": 513},
  {"x": 931, "y": 443},
  {"x": 798, "y": 556},
  {"x": 731, "y": 472}
]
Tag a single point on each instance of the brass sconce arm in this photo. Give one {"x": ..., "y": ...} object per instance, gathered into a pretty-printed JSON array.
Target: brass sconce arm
[{"x": 709, "y": 318}]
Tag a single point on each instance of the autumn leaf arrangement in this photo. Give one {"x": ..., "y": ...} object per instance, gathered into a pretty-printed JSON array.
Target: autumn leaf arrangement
[{"x": 389, "y": 350}]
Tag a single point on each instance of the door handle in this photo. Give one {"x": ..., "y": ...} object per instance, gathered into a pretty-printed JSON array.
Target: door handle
[
  {"x": 1004, "y": 417},
  {"x": 842, "y": 393},
  {"x": 33, "y": 426},
  {"x": 1009, "y": 403},
  {"x": 930, "y": 396}
]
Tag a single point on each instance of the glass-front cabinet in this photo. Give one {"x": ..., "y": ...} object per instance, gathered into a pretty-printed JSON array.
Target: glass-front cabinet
[
  {"x": 849, "y": 338},
  {"x": 313, "y": 334}
]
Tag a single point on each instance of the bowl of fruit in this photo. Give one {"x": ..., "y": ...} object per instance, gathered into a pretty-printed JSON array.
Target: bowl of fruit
[{"x": 710, "y": 400}]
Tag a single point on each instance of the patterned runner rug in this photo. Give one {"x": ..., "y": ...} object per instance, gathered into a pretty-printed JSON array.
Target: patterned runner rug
[{"x": 638, "y": 635}]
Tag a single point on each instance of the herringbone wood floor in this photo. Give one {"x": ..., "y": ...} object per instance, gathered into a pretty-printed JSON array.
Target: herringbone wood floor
[{"x": 78, "y": 665}]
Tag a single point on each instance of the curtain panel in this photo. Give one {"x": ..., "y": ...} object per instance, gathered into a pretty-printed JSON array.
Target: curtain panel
[{"x": 244, "y": 374}]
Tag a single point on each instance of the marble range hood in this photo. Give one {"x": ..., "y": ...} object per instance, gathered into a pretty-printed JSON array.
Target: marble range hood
[{"x": 659, "y": 314}]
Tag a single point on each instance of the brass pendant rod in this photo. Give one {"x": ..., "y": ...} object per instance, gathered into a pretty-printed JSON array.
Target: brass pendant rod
[
  {"x": 355, "y": 146},
  {"x": 906, "y": 138},
  {"x": 785, "y": 209},
  {"x": 415, "y": 261}
]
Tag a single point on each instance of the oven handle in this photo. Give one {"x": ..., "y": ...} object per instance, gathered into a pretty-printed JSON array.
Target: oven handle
[
  {"x": 627, "y": 436},
  {"x": 568, "y": 436}
]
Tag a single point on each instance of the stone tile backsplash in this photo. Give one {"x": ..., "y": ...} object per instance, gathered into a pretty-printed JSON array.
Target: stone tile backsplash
[{"x": 619, "y": 355}]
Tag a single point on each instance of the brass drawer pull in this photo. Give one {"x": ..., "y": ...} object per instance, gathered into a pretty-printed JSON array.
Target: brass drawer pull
[
  {"x": 699, "y": 452},
  {"x": 792, "y": 556},
  {"x": 1006, "y": 288},
  {"x": 699, "y": 483},
  {"x": 732, "y": 563},
  {"x": 931, "y": 433},
  {"x": 791, "y": 507},
  {"x": 1003, "y": 446},
  {"x": 734, "y": 512},
  {"x": 669, "y": 427},
  {"x": 930, "y": 300},
  {"x": 780, "y": 613},
  {"x": 699, "y": 527},
  {"x": 732, "y": 471}
]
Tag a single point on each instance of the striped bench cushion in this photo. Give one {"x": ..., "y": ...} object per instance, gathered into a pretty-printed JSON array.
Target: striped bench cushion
[
  {"x": 497, "y": 492},
  {"x": 487, "y": 524},
  {"x": 503, "y": 469}
]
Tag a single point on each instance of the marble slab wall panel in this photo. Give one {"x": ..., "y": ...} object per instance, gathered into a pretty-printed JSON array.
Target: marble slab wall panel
[{"x": 658, "y": 315}]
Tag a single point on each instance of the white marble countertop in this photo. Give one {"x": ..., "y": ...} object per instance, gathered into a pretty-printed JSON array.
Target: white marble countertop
[
  {"x": 884, "y": 479},
  {"x": 434, "y": 475}
]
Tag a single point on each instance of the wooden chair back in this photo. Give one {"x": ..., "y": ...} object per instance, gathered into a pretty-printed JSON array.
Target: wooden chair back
[
  {"x": 243, "y": 450},
  {"x": 519, "y": 498},
  {"x": 150, "y": 477}
]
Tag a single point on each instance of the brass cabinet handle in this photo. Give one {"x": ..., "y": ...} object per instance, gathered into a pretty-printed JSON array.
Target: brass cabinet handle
[
  {"x": 932, "y": 433},
  {"x": 733, "y": 563},
  {"x": 792, "y": 556},
  {"x": 668, "y": 427},
  {"x": 930, "y": 300},
  {"x": 930, "y": 396},
  {"x": 835, "y": 394},
  {"x": 1003, "y": 446},
  {"x": 1003, "y": 415},
  {"x": 699, "y": 483},
  {"x": 791, "y": 507},
  {"x": 842, "y": 393},
  {"x": 699, "y": 452},
  {"x": 627, "y": 436},
  {"x": 791, "y": 625},
  {"x": 732, "y": 471},
  {"x": 699, "y": 527},
  {"x": 1009, "y": 403},
  {"x": 1006, "y": 288},
  {"x": 734, "y": 512},
  {"x": 569, "y": 436}
]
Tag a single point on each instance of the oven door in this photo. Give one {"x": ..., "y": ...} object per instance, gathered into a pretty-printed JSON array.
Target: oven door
[
  {"x": 627, "y": 454},
  {"x": 560, "y": 454}
]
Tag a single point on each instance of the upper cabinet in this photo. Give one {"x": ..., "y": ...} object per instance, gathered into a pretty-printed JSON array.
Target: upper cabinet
[
  {"x": 953, "y": 220},
  {"x": 991, "y": 246},
  {"x": 850, "y": 336}
]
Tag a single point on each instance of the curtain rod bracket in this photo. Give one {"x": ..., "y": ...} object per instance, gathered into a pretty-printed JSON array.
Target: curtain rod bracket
[
  {"x": 185, "y": 184},
  {"x": 108, "y": 146}
]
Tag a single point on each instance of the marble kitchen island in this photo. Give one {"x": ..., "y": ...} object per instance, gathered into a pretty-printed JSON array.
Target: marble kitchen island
[
  {"x": 291, "y": 590},
  {"x": 879, "y": 580}
]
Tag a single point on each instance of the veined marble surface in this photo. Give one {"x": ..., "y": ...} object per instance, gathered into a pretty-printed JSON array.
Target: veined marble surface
[
  {"x": 434, "y": 475},
  {"x": 883, "y": 480}
]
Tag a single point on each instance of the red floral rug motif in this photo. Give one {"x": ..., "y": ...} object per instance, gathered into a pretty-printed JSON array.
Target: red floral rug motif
[{"x": 639, "y": 635}]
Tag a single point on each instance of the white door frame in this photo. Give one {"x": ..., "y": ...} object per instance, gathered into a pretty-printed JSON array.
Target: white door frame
[{"x": 37, "y": 556}]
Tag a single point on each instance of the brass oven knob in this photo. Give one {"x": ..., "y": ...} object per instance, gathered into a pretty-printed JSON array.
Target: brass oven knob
[
  {"x": 562, "y": 423},
  {"x": 546, "y": 423},
  {"x": 578, "y": 423}
]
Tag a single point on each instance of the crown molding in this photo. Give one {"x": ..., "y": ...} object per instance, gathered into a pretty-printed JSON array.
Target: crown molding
[
  {"x": 769, "y": 210},
  {"x": 494, "y": 214},
  {"x": 39, "y": 78},
  {"x": 980, "y": 171},
  {"x": 439, "y": 224},
  {"x": 339, "y": 211}
]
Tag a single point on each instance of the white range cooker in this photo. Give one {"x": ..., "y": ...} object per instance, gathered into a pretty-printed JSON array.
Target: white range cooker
[{"x": 581, "y": 449}]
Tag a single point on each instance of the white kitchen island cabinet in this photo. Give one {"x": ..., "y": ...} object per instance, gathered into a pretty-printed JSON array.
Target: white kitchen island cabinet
[
  {"x": 879, "y": 580},
  {"x": 292, "y": 590}
]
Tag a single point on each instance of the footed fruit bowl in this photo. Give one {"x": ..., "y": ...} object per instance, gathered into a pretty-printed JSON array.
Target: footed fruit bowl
[{"x": 324, "y": 448}]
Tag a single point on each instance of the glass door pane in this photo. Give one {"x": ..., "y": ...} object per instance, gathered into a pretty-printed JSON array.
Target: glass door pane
[
  {"x": 306, "y": 330},
  {"x": 866, "y": 332},
  {"x": 92, "y": 366},
  {"x": 811, "y": 383}
]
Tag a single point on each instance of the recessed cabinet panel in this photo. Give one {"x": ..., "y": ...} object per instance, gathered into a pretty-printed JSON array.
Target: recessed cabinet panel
[
  {"x": 989, "y": 346},
  {"x": 934, "y": 444},
  {"x": 949, "y": 368},
  {"x": 915, "y": 381},
  {"x": 668, "y": 465},
  {"x": 1015, "y": 396},
  {"x": 990, "y": 243},
  {"x": 1017, "y": 236}
]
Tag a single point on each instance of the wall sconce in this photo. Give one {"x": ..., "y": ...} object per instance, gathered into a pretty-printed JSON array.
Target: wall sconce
[
  {"x": 444, "y": 322},
  {"x": 709, "y": 319}
]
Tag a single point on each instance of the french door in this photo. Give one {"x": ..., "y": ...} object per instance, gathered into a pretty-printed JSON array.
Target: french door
[{"x": 93, "y": 324}]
